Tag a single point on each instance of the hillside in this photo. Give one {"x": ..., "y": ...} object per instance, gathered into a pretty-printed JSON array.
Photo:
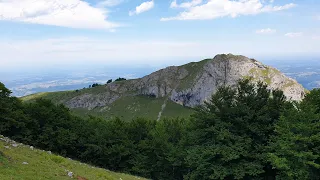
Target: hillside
[
  {"x": 165, "y": 90},
  {"x": 22, "y": 162},
  {"x": 252, "y": 133}
]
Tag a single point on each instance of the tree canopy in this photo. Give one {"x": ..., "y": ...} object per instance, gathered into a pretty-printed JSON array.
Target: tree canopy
[
  {"x": 242, "y": 132},
  {"x": 120, "y": 79}
]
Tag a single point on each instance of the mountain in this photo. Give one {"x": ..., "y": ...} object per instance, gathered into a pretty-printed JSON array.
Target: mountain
[
  {"x": 172, "y": 91},
  {"x": 19, "y": 161}
]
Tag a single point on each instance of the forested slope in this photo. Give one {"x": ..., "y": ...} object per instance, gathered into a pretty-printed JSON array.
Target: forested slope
[{"x": 243, "y": 132}]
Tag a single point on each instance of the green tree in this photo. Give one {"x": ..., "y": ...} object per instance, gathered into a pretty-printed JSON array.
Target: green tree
[
  {"x": 4, "y": 92},
  {"x": 313, "y": 98},
  {"x": 231, "y": 133},
  {"x": 160, "y": 155},
  {"x": 11, "y": 114},
  {"x": 139, "y": 132},
  {"x": 295, "y": 149},
  {"x": 120, "y": 79},
  {"x": 51, "y": 126},
  {"x": 109, "y": 81}
]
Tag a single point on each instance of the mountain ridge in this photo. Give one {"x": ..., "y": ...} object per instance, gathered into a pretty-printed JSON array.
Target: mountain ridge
[{"x": 188, "y": 85}]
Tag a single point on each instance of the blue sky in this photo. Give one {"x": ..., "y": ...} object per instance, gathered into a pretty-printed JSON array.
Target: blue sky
[{"x": 43, "y": 33}]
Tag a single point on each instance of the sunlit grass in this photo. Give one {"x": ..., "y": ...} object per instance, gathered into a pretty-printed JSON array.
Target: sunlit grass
[{"x": 43, "y": 165}]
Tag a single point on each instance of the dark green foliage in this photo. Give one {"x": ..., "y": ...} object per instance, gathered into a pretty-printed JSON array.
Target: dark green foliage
[
  {"x": 120, "y": 79},
  {"x": 295, "y": 149},
  {"x": 11, "y": 113},
  {"x": 243, "y": 133},
  {"x": 51, "y": 126},
  {"x": 231, "y": 132},
  {"x": 161, "y": 154},
  {"x": 313, "y": 98},
  {"x": 95, "y": 85},
  {"x": 4, "y": 92},
  {"x": 109, "y": 81}
]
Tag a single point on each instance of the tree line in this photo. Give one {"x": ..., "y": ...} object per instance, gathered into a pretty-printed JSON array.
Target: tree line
[
  {"x": 247, "y": 132},
  {"x": 108, "y": 82}
]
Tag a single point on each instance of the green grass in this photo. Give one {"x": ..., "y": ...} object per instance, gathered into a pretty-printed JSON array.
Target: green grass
[
  {"x": 131, "y": 107},
  {"x": 42, "y": 165},
  {"x": 174, "y": 110},
  {"x": 126, "y": 107},
  {"x": 289, "y": 84},
  {"x": 57, "y": 97},
  {"x": 266, "y": 74},
  {"x": 63, "y": 96}
]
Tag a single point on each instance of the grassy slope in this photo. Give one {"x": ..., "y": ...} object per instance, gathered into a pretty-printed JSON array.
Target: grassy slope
[
  {"x": 42, "y": 165},
  {"x": 131, "y": 107},
  {"x": 128, "y": 107},
  {"x": 63, "y": 96}
]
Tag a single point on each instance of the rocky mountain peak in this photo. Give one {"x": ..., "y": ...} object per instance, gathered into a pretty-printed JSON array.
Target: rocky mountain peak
[{"x": 193, "y": 83}]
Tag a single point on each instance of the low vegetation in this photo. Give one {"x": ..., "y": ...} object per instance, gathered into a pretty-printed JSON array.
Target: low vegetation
[
  {"x": 126, "y": 108},
  {"x": 248, "y": 132},
  {"x": 23, "y": 162},
  {"x": 120, "y": 79},
  {"x": 109, "y": 81},
  {"x": 132, "y": 107},
  {"x": 94, "y": 85}
]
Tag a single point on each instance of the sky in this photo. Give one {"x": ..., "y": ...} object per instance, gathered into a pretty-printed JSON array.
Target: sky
[{"x": 37, "y": 34}]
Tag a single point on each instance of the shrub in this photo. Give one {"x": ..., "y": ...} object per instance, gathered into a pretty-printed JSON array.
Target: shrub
[{"x": 120, "y": 79}]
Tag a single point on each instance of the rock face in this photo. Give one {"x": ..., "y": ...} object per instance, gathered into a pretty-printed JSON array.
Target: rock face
[
  {"x": 192, "y": 84},
  {"x": 228, "y": 70}
]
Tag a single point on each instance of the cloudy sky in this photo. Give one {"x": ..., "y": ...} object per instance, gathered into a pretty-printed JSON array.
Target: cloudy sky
[{"x": 37, "y": 33}]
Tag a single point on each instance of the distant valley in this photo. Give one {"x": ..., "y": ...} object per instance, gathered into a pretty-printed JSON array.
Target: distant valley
[{"x": 306, "y": 72}]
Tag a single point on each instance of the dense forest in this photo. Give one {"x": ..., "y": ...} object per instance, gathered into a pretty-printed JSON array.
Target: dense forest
[{"x": 247, "y": 132}]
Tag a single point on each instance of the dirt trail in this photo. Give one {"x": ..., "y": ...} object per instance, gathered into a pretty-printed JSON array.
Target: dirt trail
[{"x": 166, "y": 100}]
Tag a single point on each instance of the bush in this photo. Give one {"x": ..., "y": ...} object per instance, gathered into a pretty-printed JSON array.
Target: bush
[
  {"x": 120, "y": 79},
  {"x": 95, "y": 85},
  {"x": 109, "y": 81}
]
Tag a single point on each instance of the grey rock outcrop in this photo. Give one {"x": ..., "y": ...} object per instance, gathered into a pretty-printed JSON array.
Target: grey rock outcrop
[{"x": 227, "y": 70}]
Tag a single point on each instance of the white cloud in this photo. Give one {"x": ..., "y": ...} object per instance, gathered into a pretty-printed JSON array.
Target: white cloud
[
  {"x": 109, "y": 3},
  {"x": 145, "y": 6},
  {"x": 266, "y": 31},
  {"x": 221, "y": 8},
  {"x": 185, "y": 4},
  {"x": 67, "y": 52},
  {"x": 65, "y": 13},
  {"x": 294, "y": 34},
  {"x": 315, "y": 37},
  {"x": 85, "y": 50}
]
